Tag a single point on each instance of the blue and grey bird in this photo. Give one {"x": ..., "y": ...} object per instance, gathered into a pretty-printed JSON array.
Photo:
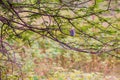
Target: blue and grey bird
[{"x": 72, "y": 32}]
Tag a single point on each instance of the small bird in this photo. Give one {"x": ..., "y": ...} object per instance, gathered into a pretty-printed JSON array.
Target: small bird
[{"x": 72, "y": 32}]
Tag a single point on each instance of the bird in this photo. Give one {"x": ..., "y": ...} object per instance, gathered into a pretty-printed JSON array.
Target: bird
[{"x": 72, "y": 31}]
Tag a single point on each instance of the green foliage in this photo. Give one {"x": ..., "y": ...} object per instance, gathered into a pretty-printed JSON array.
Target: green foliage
[{"x": 29, "y": 34}]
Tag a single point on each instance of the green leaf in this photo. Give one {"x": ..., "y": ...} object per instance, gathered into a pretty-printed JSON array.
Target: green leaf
[
  {"x": 98, "y": 1},
  {"x": 35, "y": 78}
]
